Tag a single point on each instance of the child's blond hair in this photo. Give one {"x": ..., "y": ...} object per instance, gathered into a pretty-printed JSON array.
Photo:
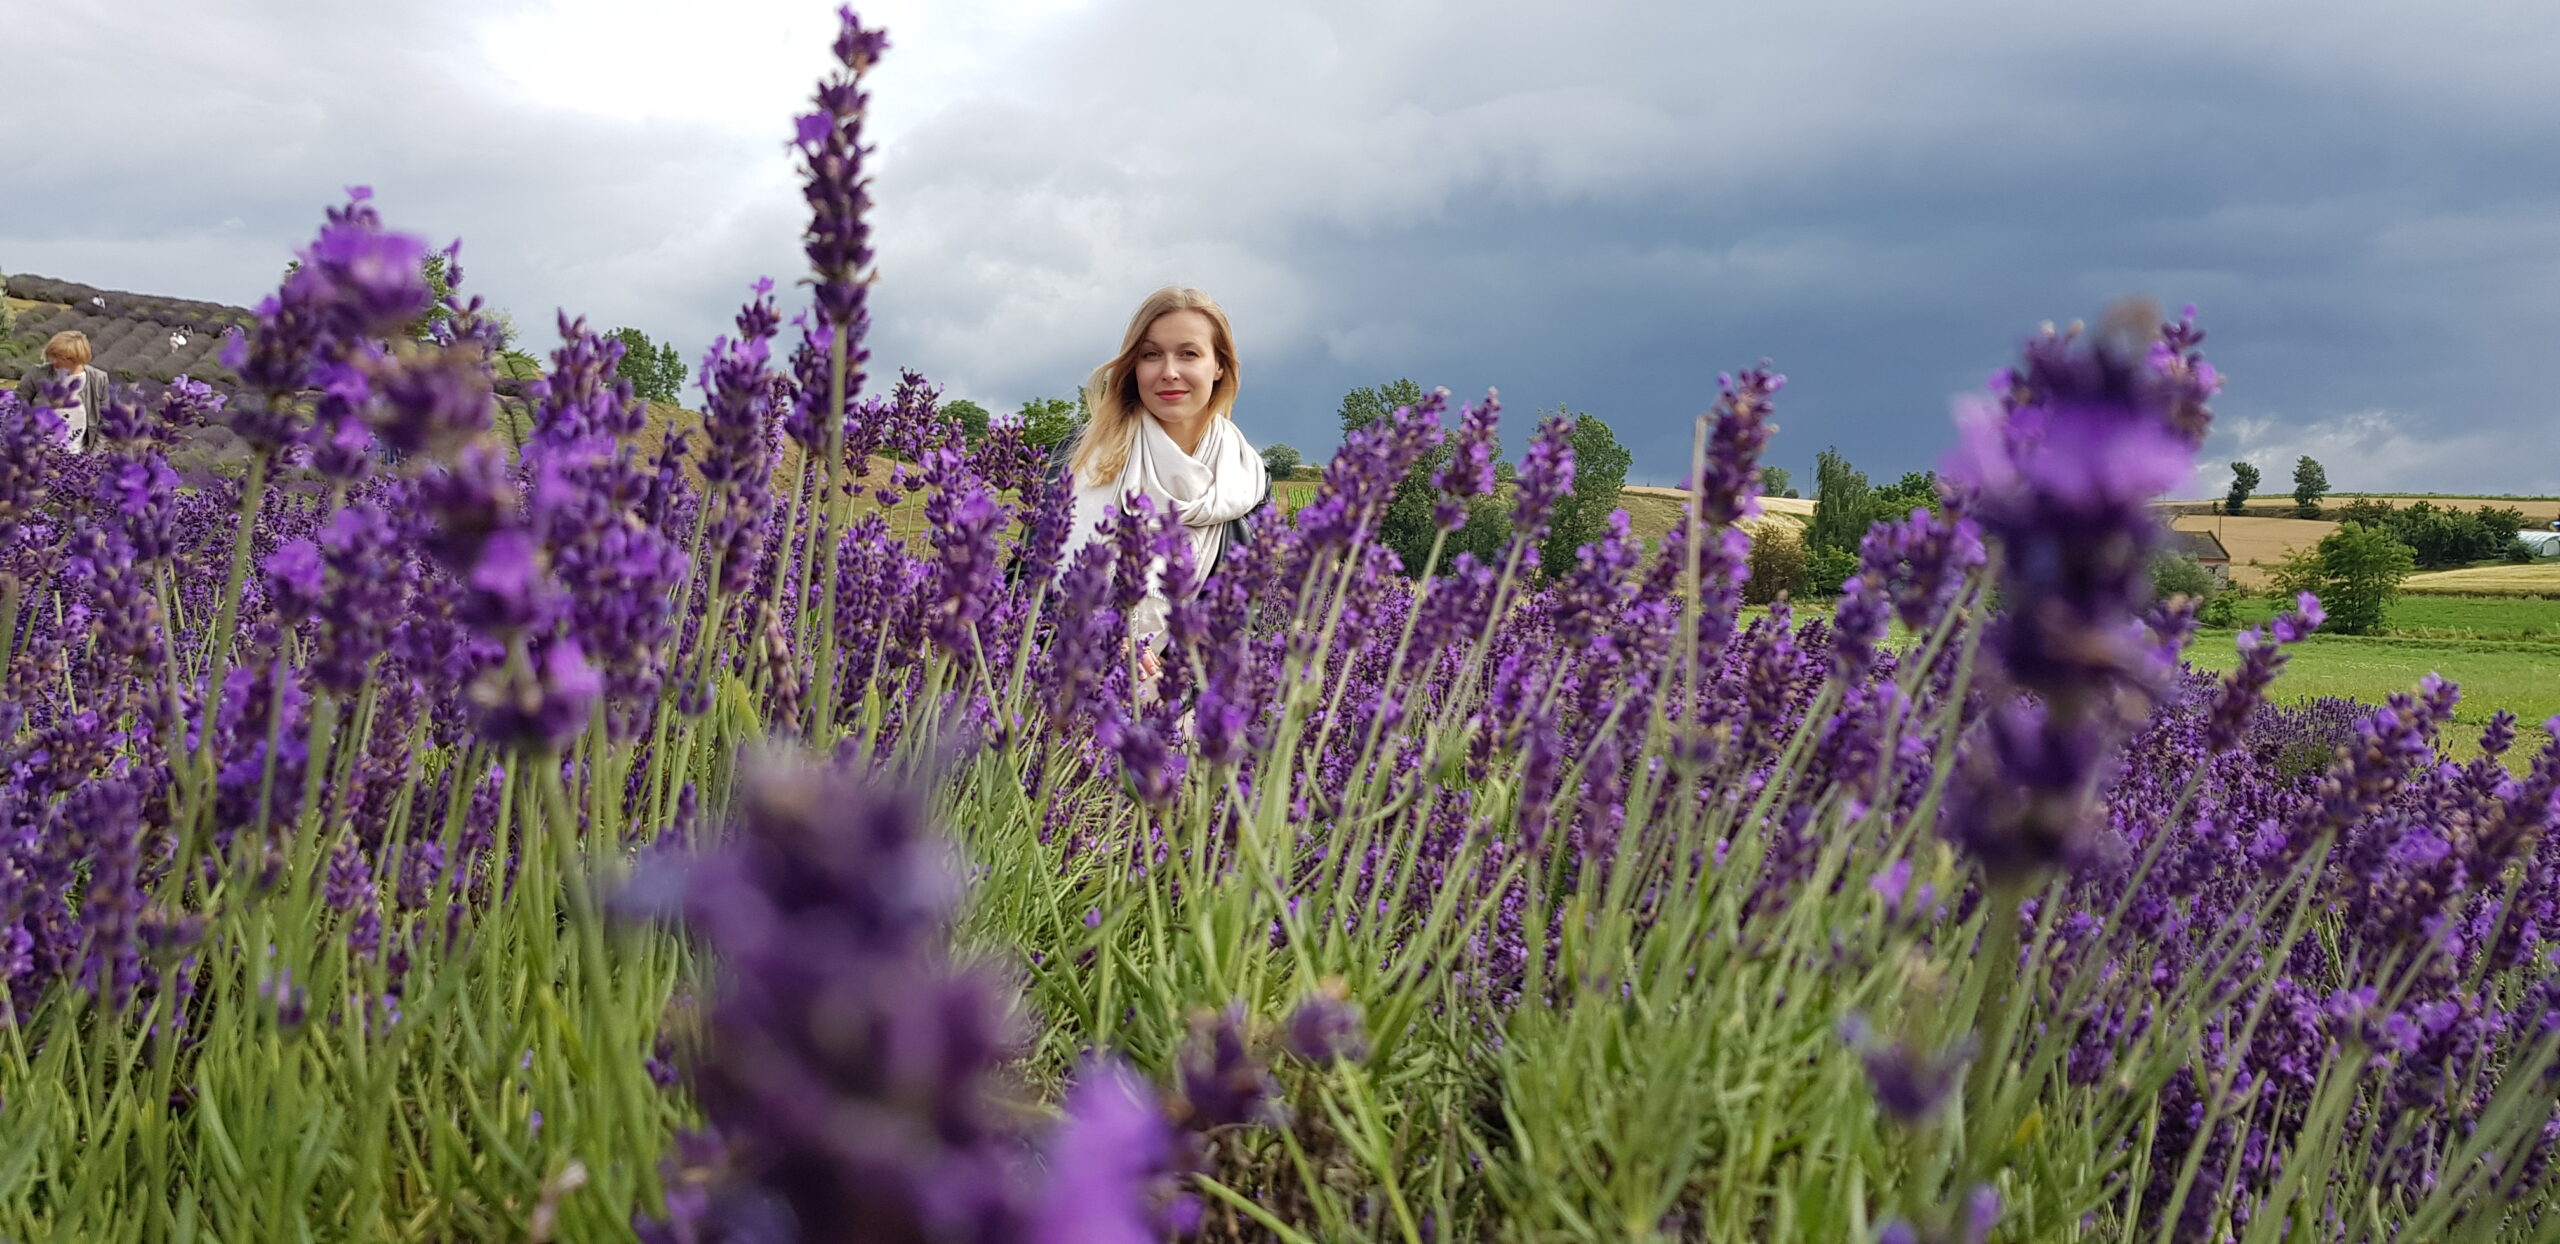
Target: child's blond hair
[{"x": 70, "y": 346}]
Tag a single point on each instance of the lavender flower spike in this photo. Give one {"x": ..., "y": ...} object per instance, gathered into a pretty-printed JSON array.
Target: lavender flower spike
[
  {"x": 1546, "y": 475},
  {"x": 829, "y": 913},
  {"x": 2060, "y": 471},
  {"x": 1109, "y": 1161}
]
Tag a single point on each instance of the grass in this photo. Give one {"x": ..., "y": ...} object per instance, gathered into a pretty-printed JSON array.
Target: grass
[
  {"x": 2490, "y": 618},
  {"x": 2523, "y": 678},
  {"x": 2503, "y": 651}
]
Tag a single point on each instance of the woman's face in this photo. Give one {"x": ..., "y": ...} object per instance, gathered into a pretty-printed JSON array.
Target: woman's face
[{"x": 1176, "y": 367}]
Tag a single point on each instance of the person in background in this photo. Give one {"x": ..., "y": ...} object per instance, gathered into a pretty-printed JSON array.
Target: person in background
[
  {"x": 66, "y": 356},
  {"x": 1163, "y": 427}
]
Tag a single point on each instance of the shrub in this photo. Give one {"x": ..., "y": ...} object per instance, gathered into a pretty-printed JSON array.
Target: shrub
[
  {"x": 2180, "y": 574},
  {"x": 2440, "y": 536},
  {"x": 1778, "y": 563},
  {"x": 1827, "y": 569}
]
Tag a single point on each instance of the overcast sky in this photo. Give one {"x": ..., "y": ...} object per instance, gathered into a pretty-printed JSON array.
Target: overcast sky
[{"x": 1599, "y": 205}]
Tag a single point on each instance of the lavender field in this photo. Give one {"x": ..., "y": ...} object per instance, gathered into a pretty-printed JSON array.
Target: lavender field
[{"x": 595, "y": 843}]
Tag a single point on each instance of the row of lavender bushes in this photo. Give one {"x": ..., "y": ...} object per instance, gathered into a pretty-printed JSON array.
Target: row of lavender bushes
[{"x": 599, "y": 842}]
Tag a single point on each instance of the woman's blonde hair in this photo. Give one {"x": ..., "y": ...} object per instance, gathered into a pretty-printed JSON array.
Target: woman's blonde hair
[
  {"x": 70, "y": 344},
  {"x": 1111, "y": 399}
]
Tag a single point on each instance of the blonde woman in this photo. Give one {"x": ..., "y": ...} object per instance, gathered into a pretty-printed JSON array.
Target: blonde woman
[
  {"x": 66, "y": 355},
  {"x": 1162, "y": 426}
]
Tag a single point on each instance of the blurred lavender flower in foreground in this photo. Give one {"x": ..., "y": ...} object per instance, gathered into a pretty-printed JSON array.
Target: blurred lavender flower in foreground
[
  {"x": 850, "y": 1062},
  {"x": 1222, "y": 1084},
  {"x": 1112, "y": 1164},
  {"x": 1981, "y": 1214},
  {"x": 2059, "y": 467},
  {"x": 1326, "y": 1026},
  {"x": 1909, "y": 1083}
]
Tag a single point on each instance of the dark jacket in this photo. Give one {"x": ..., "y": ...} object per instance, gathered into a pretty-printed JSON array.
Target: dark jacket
[{"x": 93, "y": 396}]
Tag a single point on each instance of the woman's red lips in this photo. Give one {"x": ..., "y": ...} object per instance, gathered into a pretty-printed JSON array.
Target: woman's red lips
[{"x": 1171, "y": 394}]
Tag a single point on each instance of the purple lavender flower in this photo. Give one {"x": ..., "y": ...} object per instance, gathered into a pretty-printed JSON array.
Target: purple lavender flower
[
  {"x": 1731, "y": 490},
  {"x": 543, "y": 707},
  {"x": 2261, "y": 658},
  {"x": 294, "y": 578},
  {"x": 839, "y": 195},
  {"x": 1546, "y": 475},
  {"x": 849, "y": 1062},
  {"x": 1469, "y": 471},
  {"x": 1111, "y": 1162},
  {"x": 434, "y": 402},
  {"x": 2060, "y": 471},
  {"x": 1222, "y": 1084},
  {"x": 971, "y": 572},
  {"x": 1149, "y": 767},
  {"x": 1327, "y": 1026}
]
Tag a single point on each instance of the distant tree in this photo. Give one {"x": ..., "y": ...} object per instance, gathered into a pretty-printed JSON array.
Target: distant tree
[
  {"x": 2440, "y": 537},
  {"x": 671, "y": 371},
  {"x": 1281, "y": 461},
  {"x": 1048, "y": 422},
  {"x": 1582, "y": 516},
  {"x": 1778, "y": 562},
  {"x": 2310, "y": 483},
  {"x": 1844, "y": 507},
  {"x": 1362, "y": 407},
  {"x": 1407, "y": 526},
  {"x": 655, "y": 372},
  {"x": 2356, "y": 572},
  {"x": 971, "y": 417},
  {"x": 2244, "y": 480},
  {"x": 1775, "y": 482},
  {"x": 1916, "y": 490}
]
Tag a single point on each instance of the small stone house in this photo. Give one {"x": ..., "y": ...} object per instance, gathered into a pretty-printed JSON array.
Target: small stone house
[{"x": 2206, "y": 548}]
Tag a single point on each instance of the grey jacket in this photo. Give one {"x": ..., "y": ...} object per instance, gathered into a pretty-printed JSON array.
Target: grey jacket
[{"x": 93, "y": 395}]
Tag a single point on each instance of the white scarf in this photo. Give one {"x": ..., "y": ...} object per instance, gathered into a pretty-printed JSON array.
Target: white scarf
[{"x": 1208, "y": 488}]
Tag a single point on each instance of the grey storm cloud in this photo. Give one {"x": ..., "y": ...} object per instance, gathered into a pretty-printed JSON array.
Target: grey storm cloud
[{"x": 1598, "y": 206}]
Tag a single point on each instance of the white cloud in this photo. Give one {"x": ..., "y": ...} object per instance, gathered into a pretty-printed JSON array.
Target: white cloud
[{"x": 2378, "y": 451}]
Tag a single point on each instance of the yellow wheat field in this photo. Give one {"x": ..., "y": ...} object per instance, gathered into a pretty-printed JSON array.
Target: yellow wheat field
[{"x": 2541, "y": 579}]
